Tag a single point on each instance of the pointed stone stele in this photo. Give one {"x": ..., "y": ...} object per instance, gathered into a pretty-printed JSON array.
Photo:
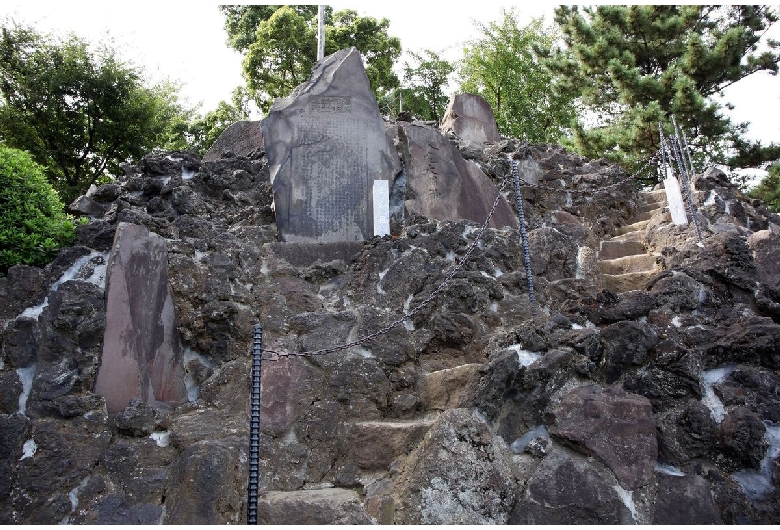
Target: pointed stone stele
[
  {"x": 326, "y": 145},
  {"x": 471, "y": 118},
  {"x": 442, "y": 185},
  {"x": 142, "y": 352}
]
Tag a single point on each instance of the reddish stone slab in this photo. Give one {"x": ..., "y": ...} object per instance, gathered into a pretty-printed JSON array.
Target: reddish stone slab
[
  {"x": 471, "y": 118},
  {"x": 442, "y": 185},
  {"x": 142, "y": 352},
  {"x": 240, "y": 139}
]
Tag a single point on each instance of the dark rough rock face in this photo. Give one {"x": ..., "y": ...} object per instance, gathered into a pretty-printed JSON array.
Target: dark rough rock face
[
  {"x": 616, "y": 427},
  {"x": 653, "y": 405},
  {"x": 567, "y": 489},
  {"x": 684, "y": 500}
]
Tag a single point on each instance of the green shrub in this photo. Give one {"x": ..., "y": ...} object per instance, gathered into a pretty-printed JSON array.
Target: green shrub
[{"x": 33, "y": 224}]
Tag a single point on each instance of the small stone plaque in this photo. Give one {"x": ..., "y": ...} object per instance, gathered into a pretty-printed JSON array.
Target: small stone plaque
[
  {"x": 675, "y": 201},
  {"x": 381, "y": 207}
]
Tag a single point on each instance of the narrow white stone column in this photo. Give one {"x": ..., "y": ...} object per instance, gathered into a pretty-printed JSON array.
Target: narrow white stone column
[
  {"x": 675, "y": 201},
  {"x": 381, "y": 207}
]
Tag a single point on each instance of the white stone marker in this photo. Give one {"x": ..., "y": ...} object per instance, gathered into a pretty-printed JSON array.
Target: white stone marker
[
  {"x": 381, "y": 207},
  {"x": 675, "y": 201}
]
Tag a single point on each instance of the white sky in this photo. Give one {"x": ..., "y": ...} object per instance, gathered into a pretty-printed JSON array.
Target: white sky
[{"x": 186, "y": 42}]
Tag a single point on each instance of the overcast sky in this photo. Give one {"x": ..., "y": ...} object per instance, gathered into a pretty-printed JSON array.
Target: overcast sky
[{"x": 186, "y": 42}]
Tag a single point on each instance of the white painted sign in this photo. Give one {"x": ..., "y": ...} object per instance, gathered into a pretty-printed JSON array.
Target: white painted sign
[
  {"x": 381, "y": 207},
  {"x": 675, "y": 201}
]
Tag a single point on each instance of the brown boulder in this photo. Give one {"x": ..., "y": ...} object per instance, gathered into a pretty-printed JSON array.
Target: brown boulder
[
  {"x": 471, "y": 118},
  {"x": 617, "y": 427}
]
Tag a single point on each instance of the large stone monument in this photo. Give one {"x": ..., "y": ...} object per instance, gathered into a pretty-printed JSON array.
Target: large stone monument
[{"x": 326, "y": 145}]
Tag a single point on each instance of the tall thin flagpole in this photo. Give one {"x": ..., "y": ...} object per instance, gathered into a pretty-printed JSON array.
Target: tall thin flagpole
[{"x": 320, "y": 32}]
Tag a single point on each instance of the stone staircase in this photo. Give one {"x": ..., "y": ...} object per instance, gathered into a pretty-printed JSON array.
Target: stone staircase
[
  {"x": 372, "y": 448},
  {"x": 623, "y": 261}
]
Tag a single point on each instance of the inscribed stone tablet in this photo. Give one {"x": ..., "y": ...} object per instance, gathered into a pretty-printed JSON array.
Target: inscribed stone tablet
[{"x": 326, "y": 145}]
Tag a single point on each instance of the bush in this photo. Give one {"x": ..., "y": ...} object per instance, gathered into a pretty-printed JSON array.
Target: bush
[{"x": 33, "y": 224}]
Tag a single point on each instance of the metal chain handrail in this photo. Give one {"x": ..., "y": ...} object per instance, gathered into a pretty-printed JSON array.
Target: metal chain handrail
[{"x": 407, "y": 315}]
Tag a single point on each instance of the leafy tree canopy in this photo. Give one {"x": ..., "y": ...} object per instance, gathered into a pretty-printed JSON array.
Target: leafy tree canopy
[
  {"x": 424, "y": 83},
  {"x": 768, "y": 190},
  {"x": 79, "y": 111},
  {"x": 634, "y": 66},
  {"x": 203, "y": 130},
  {"x": 279, "y": 44},
  {"x": 33, "y": 225},
  {"x": 502, "y": 66}
]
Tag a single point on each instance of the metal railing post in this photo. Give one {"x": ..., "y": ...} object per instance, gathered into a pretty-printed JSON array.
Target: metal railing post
[
  {"x": 254, "y": 426},
  {"x": 524, "y": 238}
]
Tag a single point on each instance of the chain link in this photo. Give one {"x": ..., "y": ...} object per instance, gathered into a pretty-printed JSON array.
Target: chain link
[{"x": 276, "y": 355}]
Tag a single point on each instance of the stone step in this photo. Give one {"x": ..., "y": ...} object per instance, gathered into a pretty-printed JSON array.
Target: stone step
[
  {"x": 443, "y": 389},
  {"x": 316, "y": 506},
  {"x": 628, "y": 264},
  {"x": 655, "y": 196},
  {"x": 617, "y": 249},
  {"x": 634, "y": 227},
  {"x": 373, "y": 445},
  {"x": 632, "y": 281},
  {"x": 652, "y": 207},
  {"x": 647, "y": 215},
  {"x": 638, "y": 235}
]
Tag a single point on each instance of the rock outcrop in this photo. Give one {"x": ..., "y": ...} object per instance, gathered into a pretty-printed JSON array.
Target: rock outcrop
[{"x": 653, "y": 404}]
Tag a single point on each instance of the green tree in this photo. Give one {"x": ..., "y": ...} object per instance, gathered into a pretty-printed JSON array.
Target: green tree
[
  {"x": 768, "y": 190},
  {"x": 33, "y": 225},
  {"x": 502, "y": 66},
  {"x": 279, "y": 44},
  {"x": 204, "y": 130},
  {"x": 634, "y": 66},
  {"x": 80, "y": 111},
  {"x": 423, "y": 91}
]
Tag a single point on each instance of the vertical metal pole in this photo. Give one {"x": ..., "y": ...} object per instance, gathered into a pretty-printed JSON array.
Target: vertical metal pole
[
  {"x": 675, "y": 149},
  {"x": 663, "y": 151},
  {"x": 684, "y": 144},
  {"x": 320, "y": 32},
  {"x": 524, "y": 238},
  {"x": 254, "y": 426}
]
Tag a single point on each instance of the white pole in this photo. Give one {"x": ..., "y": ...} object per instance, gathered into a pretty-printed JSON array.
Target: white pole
[{"x": 320, "y": 32}]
